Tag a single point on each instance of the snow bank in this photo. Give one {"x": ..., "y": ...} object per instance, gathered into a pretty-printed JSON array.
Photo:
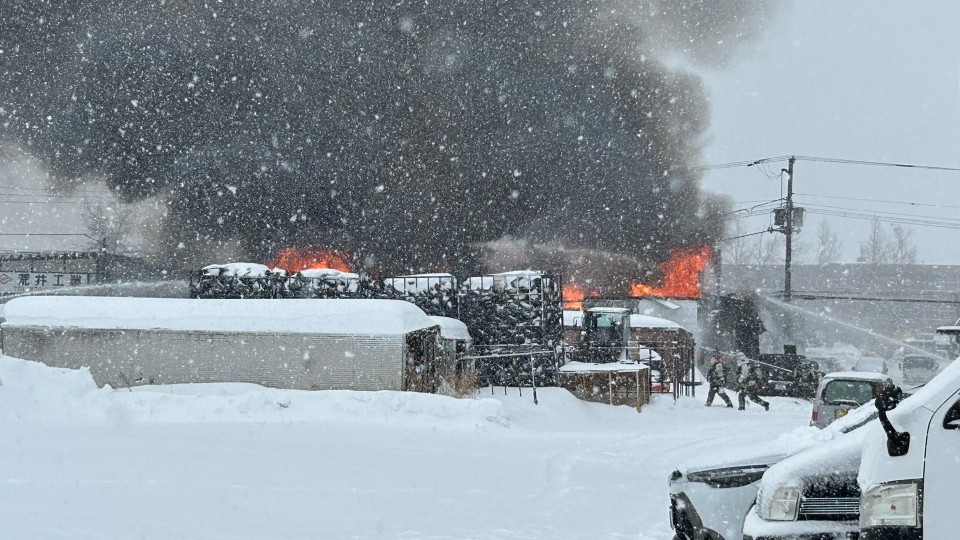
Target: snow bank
[
  {"x": 365, "y": 317},
  {"x": 33, "y": 392},
  {"x": 203, "y": 462}
]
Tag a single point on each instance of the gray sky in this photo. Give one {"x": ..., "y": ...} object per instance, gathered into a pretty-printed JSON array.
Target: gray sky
[{"x": 862, "y": 80}]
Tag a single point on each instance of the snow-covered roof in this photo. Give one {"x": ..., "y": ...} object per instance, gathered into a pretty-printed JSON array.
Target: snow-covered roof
[
  {"x": 609, "y": 310},
  {"x": 649, "y": 321},
  {"x": 238, "y": 269},
  {"x": 857, "y": 375},
  {"x": 588, "y": 367},
  {"x": 948, "y": 329},
  {"x": 451, "y": 328},
  {"x": 313, "y": 316},
  {"x": 328, "y": 273}
]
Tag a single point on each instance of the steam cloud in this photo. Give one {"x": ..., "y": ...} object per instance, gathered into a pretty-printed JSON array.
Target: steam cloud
[{"x": 405, "y": 132}]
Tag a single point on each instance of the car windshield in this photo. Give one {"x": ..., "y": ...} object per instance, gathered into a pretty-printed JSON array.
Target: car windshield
[{"x": 845, "y": 391}]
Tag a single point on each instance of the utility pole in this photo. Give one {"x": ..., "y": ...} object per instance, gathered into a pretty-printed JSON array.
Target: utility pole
[{"x": 788, "y": 231}]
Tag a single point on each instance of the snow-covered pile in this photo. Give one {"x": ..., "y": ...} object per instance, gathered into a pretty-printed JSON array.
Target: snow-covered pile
[{"x": 239, "y": 269}]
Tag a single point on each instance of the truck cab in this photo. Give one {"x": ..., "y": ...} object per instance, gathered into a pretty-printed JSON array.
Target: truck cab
[{"x": 909, "y": 478}]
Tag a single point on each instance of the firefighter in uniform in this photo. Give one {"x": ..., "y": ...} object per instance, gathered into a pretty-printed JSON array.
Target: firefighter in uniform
[
  {"x": 749, "y": 383},
  {"x": 717, "y": 379},
  {"x": 806, "y": 380}
]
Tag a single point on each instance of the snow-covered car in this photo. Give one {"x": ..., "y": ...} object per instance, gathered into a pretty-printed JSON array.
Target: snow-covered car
[
  {"x": 812, "y": 495},
  {"x": 839, "y": 393},
  {"x": 712, "y": 501}
]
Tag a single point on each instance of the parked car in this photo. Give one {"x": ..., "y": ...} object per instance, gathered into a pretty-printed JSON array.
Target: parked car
[
  {"x": 919, "y": 368},
  {"x": 908, "y": 471},
  {"x": 712, "y": 501},
  {"x": 839, "y": 393},
  {"x": 810, "y": 495}
]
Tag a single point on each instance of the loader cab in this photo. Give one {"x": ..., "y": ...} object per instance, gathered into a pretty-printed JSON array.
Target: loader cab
[{"x": 605, "y": 334}]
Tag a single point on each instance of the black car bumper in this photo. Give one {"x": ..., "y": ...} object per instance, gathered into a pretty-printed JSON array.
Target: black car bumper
[
  {"x": 892, "y": 533},
  {"x": 818, "y": 536}
]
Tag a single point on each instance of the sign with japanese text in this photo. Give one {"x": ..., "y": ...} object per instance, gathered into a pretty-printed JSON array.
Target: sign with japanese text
[{"x": 21, "y": 282}]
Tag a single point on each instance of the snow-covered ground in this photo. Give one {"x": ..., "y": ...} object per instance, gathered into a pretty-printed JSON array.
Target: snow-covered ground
[{"x": 244, "y": 462}]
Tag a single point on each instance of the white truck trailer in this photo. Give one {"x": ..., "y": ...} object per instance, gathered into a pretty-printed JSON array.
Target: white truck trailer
[{"x": 298, "y": 344}]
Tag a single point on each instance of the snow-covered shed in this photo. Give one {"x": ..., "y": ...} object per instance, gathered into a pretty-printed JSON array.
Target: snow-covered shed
[{"x": 300, "y": 344}]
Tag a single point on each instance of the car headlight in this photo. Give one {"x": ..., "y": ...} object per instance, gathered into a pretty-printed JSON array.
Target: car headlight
[
  {"x": 890, "y": 504},
  {"x": 729, "y": 477},
  {"x": 782, "y": 505}
]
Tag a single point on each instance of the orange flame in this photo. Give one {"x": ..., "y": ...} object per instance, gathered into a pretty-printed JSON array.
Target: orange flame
[
  {"x": 573, "y": 296},
  {"x": 294, "y": 260},
  {"x": 681, "y": 275}
]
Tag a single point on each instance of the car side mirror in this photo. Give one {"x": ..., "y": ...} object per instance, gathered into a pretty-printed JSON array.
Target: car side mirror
[
  {"x": 898, "y": 443},
  {"x": 952, "y": 419}
]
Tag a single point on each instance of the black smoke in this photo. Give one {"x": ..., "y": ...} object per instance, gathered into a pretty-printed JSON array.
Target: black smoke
[{"x": 405, "y": 132}]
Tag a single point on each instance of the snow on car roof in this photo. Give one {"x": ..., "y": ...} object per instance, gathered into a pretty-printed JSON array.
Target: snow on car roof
[
  {"x": 314, "y": 316},
  {"x": 857, "y": 375},
  {"x": 451, "y": 328}
]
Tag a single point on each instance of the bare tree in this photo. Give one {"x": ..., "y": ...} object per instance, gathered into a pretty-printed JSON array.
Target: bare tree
[
  {"x": 829, "y": 246},
  {"x": 738, "y": 251},
  {"x": 108, "y": 226},
  {"x": 904, "y": 252},
  {"x": 769, "y": 250},
  {"x": 878, "y": 247}
]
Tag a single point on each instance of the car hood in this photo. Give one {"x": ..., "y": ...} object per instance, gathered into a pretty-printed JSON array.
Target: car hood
[
  {"x": 749, "y": 461},
  {"x": 789, "y": 444},
  {"x": 828, "y": 470}
]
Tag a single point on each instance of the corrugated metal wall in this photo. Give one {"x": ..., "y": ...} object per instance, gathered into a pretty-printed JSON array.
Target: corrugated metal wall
[{"x": 123, "y": 358}]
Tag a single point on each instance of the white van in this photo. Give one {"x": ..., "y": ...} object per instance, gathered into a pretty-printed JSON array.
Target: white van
[{"x": 910, "y": 468}]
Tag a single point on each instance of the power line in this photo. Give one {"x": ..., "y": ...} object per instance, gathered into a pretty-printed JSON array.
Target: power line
[
  {"x": 873, "y": 217},
  {"x": 756, "y": 162},
  {"x": 877, "y": 163},
  {"x": 43, "y": 202},
  {"x": 882, "y": 213},
  {"x": 45, "y": 234},
  {"x": 750, "y": 211},
  {"x": 23, "y": 188},
  {"x": 744, "y": 235},
  {"x": 908, "y": 203}
]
